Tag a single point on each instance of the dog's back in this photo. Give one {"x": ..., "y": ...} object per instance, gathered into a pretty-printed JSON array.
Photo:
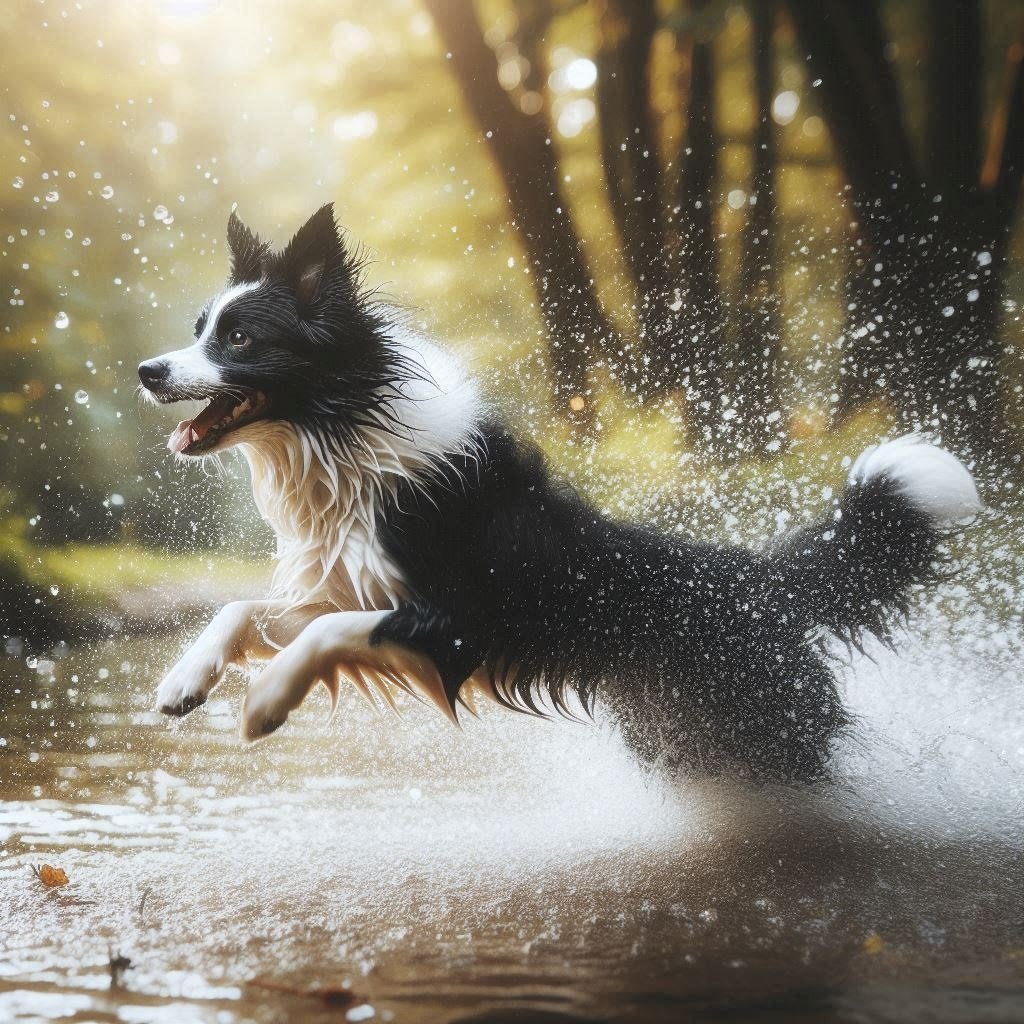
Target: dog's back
[
  {"x": 706, "y": 656},
  {"x": 420, "y": 545}
]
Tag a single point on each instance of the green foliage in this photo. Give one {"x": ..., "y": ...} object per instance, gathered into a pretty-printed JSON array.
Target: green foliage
[{"x": 131, "y": 129}]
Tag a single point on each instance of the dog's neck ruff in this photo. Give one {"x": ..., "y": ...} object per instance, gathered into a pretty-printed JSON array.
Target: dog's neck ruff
[{"x": 322, "y": 495}]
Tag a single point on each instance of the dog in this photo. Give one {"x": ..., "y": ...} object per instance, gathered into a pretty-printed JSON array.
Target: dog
[{"x": 423, "y": 546}]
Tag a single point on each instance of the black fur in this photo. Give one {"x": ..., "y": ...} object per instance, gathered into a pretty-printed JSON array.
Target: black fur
[
  {"x": 247, "y": 254},
  {"x": 707, "y": 657},
  {"x": 318, "y": 339}
]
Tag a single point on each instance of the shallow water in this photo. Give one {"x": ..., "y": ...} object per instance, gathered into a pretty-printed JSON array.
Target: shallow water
[{"x": 516, "y": 869}]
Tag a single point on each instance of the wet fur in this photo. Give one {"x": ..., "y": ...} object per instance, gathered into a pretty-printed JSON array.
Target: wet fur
[{"x": 391, "y": 486}]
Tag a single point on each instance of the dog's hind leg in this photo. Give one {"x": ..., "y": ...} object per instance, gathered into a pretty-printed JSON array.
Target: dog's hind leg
[
  {"x": 240, "y": 630},
  {"x": 343, "y": 642}
]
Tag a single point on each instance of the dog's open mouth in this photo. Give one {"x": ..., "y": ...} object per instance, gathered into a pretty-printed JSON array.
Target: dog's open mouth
[{"x": 223, "y": 415}]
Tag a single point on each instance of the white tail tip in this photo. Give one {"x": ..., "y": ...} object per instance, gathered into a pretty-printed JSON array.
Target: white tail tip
[{"x": 932, "y": 479}]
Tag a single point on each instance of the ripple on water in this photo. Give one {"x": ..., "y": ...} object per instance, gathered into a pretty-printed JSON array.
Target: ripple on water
[{"x": 516, "y": 863}]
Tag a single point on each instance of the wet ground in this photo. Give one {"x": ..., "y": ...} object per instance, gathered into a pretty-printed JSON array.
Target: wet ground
[{"x": 516, "y": 870}]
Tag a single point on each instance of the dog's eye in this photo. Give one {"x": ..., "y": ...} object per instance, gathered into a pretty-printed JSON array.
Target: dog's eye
[{"x": 238, "y": 339}]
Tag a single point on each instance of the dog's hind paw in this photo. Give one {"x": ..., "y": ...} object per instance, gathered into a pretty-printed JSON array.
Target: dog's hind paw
[
  {"x": 263, "y": 712},
  {"x": 256, "y": 727}
]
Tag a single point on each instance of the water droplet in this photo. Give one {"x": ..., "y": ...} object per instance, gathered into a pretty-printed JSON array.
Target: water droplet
[
  {"x": 31, "y": 661},
  {"x": 68, "y": 233},
  {"x": 984, "y": 258},
  {"x": 737, "y": 198},
  {"x": 160, "y": 211},
  {"x": 86, "y": 241},
  {"x": 61, "y": 320},
  {"x": 107, "y": 192},
  {"x": 53, "y": 196},
  {"x": 81, "y": 397},
  {"x": 18, "y": 182},
  {"x": 55, "y": 590},
  {"x": 947, "y": 310}
]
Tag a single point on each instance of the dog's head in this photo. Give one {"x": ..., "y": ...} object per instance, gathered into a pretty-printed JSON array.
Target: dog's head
[{"x": 294, "y": 337}]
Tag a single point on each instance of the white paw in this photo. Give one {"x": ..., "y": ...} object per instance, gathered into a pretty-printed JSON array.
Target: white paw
[
  {"x": 188, "y": 684},
  {"x": 262, "y": 713},
  {"x": 282, "y": 686}
]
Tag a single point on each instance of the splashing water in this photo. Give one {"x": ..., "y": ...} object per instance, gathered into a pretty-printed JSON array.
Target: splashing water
[{"x": 511, "y": 864}]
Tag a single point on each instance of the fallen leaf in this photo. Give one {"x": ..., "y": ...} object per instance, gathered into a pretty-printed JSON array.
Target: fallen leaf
[
  {"x": 51, "y": 877},
  {"x": 873, "y": 944}
]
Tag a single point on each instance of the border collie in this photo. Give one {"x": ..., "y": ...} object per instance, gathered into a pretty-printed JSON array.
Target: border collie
[{"x": 424, "y": 547}]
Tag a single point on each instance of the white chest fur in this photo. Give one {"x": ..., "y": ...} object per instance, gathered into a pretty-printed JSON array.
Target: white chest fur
[{"x": 322, "y": 497}]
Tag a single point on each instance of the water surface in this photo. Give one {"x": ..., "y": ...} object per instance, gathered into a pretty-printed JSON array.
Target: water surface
[{"x": 516, "y": 869}]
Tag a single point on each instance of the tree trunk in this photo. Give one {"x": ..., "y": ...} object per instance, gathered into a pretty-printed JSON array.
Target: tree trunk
[
  {"x": 953, "y": 129},
  {"x": 521, "y": 147},
  {"x": 759, "y": 338},
  {"x": 928, "y": 262},
  {"x": 629, "y": 153},
  {"x": 693, "y": 355}
]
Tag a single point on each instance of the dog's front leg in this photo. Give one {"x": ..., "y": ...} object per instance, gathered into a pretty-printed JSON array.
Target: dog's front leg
[
  {"x": 240, "y": 630},
  {"x": 339, "y": 644}
]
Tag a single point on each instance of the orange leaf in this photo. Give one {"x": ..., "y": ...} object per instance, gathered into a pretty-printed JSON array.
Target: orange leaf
[{"x": 51, "y": 877}]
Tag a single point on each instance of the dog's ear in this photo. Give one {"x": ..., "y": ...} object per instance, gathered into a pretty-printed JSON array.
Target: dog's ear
[
  {"x": 247, "y": 252},
  {"x": 314, "y": 257}
]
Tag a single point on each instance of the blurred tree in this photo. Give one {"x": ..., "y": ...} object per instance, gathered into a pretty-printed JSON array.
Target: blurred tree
[
  {"x": 930, "y": 255},
  {"x": 759, "y": 300},
  {"x": 520, "y": 142},
  {"x": 689, "y": 339}
]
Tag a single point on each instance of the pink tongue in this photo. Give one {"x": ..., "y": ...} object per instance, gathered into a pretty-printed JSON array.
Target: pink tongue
[{"x": 182, "y": 436}]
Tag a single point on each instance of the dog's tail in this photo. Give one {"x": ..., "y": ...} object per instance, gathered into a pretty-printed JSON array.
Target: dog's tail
[{"x": 854, "y": 573}]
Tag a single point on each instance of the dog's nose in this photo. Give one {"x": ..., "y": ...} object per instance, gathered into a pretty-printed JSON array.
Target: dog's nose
[{"x": 152, "y": 371}]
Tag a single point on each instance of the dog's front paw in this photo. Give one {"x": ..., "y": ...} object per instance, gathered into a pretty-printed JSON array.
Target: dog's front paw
[{"x": 187, "y": 685}]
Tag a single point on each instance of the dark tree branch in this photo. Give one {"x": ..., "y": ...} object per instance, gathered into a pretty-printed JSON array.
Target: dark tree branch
[
  {"x": 757, "y": 271},
  {"x": 845, "y": 45},
  {"x": 954, "y": 93},
  {"x": 629, "y": 142},
  {"x": 695, "y": 360},
  {"x": 759, "y": 336},
  {"x": 521, "y": 147},
  {"x": 633, "y": 172},
  {"x": 641, "y": 143}
]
